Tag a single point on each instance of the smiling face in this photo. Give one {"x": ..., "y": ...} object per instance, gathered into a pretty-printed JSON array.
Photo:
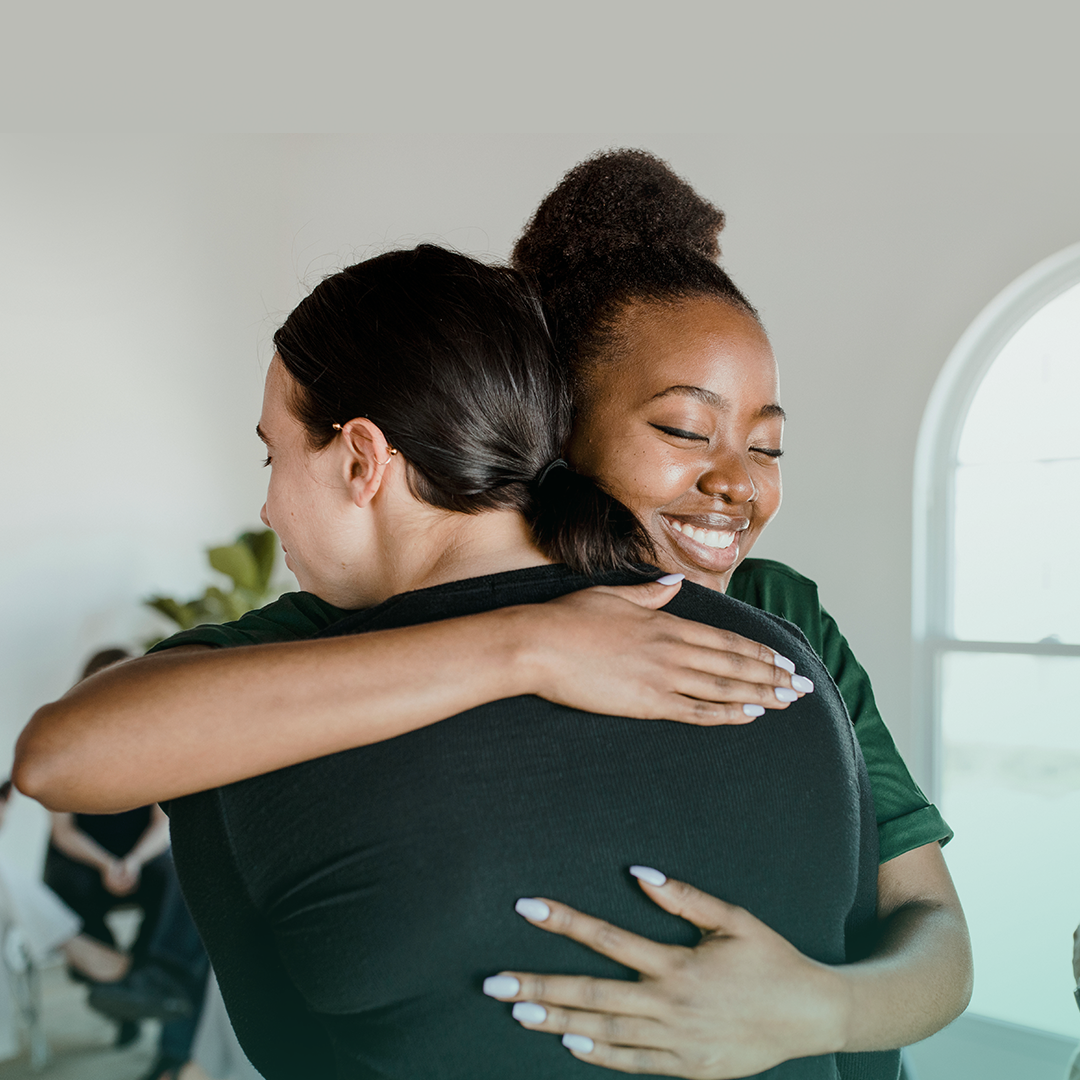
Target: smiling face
[{"x": 684, "y": 426}]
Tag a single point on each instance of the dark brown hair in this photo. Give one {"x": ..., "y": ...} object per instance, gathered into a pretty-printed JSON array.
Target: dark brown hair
[
  {"x": 619, "y": 227},
  {"x": 103, "y": 659},
  {"x": 453, "y": 361}
]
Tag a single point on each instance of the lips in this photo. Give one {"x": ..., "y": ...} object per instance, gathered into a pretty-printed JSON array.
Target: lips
[
  {"x": 707, "y": 540},
  {"x": 714, "y": 538}
]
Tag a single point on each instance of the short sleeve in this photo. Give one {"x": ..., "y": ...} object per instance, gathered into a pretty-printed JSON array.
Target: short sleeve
[
  {"x": 906, "y": 818},
  {"x": 292, "y": 617}
]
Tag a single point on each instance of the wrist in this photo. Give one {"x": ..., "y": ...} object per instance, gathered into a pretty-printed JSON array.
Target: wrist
[
  {"x": 837, "y": 997},
  {"x": 524, "y": 658}
]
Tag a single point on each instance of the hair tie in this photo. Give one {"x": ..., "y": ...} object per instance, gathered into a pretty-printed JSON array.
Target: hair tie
[{"x": 542, "y": 475}]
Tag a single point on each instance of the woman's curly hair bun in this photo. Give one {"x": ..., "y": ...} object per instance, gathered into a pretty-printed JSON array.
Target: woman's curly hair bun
[
  {"x": 611, "y": 204},
  {"x": 620, "y": 226}
]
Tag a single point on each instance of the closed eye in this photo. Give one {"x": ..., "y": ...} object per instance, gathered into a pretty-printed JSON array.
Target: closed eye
[
  {"x": 267, "y": 460},
  {"x": 678, "y": 433},
  {"x": 768, "y": 451}
]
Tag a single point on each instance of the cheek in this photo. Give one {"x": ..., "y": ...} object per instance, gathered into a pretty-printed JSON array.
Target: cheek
[{"x": 770, "y": 495}]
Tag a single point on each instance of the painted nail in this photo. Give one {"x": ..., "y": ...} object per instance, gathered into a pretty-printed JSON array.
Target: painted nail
[
  {"x": 784, "y": 694},
  {"x": 783, "y": 662},
  {"x": 669, "y": 579},
  {"x": 581, "y": 1043},
  {"x": 528, "y": 1012},
  {"x": 754, "y": 710},
  {"x": 648, "y": 875},
  {"x": 501, "y": 986},
  {"x": 802, "y": 684},
  {"x": 536, "y": 910}
]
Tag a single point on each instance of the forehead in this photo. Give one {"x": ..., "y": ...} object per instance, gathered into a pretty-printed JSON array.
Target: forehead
[
  {"x": 697, "y": 342},
  {"x": 275, "y": 394}
]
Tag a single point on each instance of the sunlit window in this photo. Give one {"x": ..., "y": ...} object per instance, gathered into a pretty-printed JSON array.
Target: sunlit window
[{"x": 999, "y": 632}]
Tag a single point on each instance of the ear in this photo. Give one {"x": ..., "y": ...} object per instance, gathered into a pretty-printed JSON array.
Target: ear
[{"x": 367, "y": 457}]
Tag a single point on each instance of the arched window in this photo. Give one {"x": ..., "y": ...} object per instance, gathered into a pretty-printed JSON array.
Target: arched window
[{"x": 997, "y": 634}]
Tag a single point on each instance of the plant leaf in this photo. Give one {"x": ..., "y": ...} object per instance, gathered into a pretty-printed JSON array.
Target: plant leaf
[
  {"x": 180, "y": 614},
  {"x": 263, "y": 545},
  {"x": 237, "y": 562}
]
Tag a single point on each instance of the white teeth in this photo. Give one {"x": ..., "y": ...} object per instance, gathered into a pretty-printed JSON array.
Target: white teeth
[{"x": 709, "y": 537}]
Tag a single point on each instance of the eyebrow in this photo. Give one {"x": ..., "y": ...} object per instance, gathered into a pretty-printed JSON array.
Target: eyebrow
[
  {"x": 707, "y": 397},
  {"x": 262, "y": 434}
]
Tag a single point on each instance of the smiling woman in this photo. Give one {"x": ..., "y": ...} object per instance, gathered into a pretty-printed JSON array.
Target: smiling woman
[{"x": 695, "y": 398}]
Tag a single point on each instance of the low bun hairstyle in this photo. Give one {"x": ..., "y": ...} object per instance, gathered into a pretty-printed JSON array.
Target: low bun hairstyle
[
  {"x": 621, "y": 226},
  {"x": 452, "y": 360}
]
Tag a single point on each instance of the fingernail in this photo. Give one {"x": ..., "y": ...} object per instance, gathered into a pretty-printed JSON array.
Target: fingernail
[
  {"x": 754, "y": 710},
  {"x": 528, "y": 1012},
  {"x": 802, "y": 684},
  {"x": 784, "y": 694},
  {"x": 501, "y": 986},
  {"x": 536, "y": 910},
  {"x": 671, "y": 579},
  {"x": 581, "y": 1043},
  {"x": 783, "y": 662},
  {"x": 648, "y": 875}
]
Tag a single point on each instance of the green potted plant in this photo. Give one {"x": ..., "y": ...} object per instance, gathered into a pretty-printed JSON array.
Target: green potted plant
[{"x": 248, "y": 563}]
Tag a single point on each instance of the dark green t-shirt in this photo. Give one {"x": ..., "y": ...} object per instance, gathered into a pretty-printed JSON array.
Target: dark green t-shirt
[{"x": 906, "y": 818}]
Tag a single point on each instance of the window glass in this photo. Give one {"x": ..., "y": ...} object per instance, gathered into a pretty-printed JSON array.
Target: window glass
[
  {"x": 1017, "y": 488},
  {"x": 1011, "y": 791}
]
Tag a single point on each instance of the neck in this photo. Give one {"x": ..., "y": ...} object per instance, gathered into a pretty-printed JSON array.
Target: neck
[
  {"x": 457, "y": 547},
  {"x": 427, "y": 546}
]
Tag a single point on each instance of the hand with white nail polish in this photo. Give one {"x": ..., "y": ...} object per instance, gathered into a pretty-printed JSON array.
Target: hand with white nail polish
[
  {"x": 608, "y": 650},
  {"x": 738, "y": 1003}
]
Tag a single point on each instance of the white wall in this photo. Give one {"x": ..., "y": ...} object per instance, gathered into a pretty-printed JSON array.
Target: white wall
[{"x": 142, "y": 278}]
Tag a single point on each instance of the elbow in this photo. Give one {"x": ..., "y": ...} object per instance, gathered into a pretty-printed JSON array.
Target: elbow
[{"x": 41, "y": 768}]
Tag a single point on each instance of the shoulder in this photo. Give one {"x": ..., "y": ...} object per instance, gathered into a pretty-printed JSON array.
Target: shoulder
[
  {"x": 755, "y": 576},
  {"x": 755, "y": 621},
  {"x": 777, "y": 588},
  {"x": 293, "y": 617}
]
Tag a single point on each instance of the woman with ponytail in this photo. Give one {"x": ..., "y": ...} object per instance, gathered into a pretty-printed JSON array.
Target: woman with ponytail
[{"x": 352, "y": 904}]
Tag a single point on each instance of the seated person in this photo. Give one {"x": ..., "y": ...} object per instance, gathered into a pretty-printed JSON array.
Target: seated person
[{"x": 97, "y": 862}]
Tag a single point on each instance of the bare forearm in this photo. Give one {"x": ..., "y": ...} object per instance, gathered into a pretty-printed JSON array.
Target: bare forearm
[
  {"x": 173, "y": 723},
  {"x": 917, "y": 980}
]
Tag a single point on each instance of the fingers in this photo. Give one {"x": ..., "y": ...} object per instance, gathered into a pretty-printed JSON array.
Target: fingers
[
  {"x": 708, "y": 913},
  {"x": 738, "y": 668},
  {"x": 580, "y": 992},
  {"x": 631, "y": 950},
  {"x": 626, "y": 1059},
  {"x": 650, "y": 594},
  {"x": 601, "y": 1027},
  {"x": 593, "y": 1036}
]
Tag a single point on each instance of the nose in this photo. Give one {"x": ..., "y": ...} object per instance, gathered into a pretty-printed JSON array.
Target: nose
[
  {"x": 728, "y": 478},
  {"x": 263, "y": 518}
]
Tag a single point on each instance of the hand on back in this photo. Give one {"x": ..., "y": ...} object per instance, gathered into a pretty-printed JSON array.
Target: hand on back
[{"x": 608, "y": 650}]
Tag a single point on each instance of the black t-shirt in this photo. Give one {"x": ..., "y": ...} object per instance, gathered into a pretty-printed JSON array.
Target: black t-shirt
[
  {"x": 353, "y": 905},
  {"x": 116, "y": 833}
]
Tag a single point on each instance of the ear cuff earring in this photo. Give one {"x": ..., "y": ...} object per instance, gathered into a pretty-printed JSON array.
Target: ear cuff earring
[{"x": 337, "y": 427}]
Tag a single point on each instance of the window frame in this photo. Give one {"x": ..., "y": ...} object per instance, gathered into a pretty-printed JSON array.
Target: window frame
[{"x": 936, "y": 461}]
